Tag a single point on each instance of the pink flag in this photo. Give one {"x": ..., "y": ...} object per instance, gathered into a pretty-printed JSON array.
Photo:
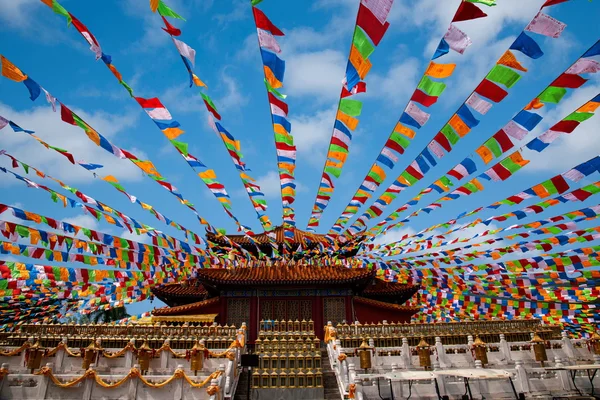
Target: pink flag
[
  {"x": 512, "y": 129},
  {"x": 584, "y": 66},
  {"x": 185, "y": 51},
  {"x": 479, "y": 104},
  {"x": 436, "y": 149},
  {"x": 549, "y": 136},
  {"x": 159, "y": 113},
  {"x": 389, "y": 154},
  {"x": 267, "y": 41},
  {"x": 416, "y": 113},
  {"x": 573, "y": 175},
  {"x": 545, "y": 25},
  {"x": 379, "y": 8},
  {"x": 3, "y": 122},
  {"x": 457, "y": 39}
]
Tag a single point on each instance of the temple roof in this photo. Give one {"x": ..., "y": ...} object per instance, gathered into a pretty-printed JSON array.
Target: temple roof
[
  {"x": 289, "y": 274},
  {"x": 192, "y": 308},
  {"x": 180, "y": 293},
  {"x": 300, "y": 237},
  {"x": 384, "y": 305},
  {"x": 380, "y": 287}
]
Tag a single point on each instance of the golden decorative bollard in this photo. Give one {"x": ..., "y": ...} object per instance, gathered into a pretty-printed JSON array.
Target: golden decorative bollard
[
  {"x": 144, "y": 354},
  {"x": 595, "y": 343},
  {"x": 480, "y": 351},
  {"x": 539, "y": 349},
  {"x": 197, "y": 357},
  {"x": 364, "y": 353},
  {"x": 91, "y": 353},
  {"x": 34, "y": 356},
  {"x": 424, "y": 354}
]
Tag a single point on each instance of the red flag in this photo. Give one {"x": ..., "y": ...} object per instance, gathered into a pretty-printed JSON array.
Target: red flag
[
  {"x": 560, "y": 184},
  {"x": 262, "y": 22},
  {"x": 553, "y": 2},
  {"x": 170, "y": 29},
  {"x": 443, "y": 141},
  {"x": 570, "y": 81},
  {"x": 371, "y": 25},
  {"x": 491, "y": 91},
  {"x": 504, "y": 141},
  {"x": 467, "y": 11},
  {"x": 565, "y": 126},
  {"x": 66, "y": 114},
  {"x": 149, "y": 103},
  {"x": 423, "y": 98}
]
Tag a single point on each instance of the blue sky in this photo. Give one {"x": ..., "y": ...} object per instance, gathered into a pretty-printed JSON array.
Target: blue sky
[{"x": 315, "y": 48}]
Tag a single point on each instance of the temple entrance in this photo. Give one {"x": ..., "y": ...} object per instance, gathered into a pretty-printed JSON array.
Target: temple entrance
[{"x": 286, "y": 309}]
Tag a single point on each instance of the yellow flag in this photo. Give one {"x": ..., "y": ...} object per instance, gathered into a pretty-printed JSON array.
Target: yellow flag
[
  {"x": 172, "y": 133},
  {"x": 110, "y": 178},
  {"x": 485, "y": 154},
  {"x": 11, "y": 71},
  {"x": 590, "y": 106},
  {"x": 459, "y": 126},
  {"x": 208, "y": 174},
  {"x": 509, "y": 59},
  {"x": 274, "y": 82},
  {"x": 198, "y": 81},
  {"x": 409, "y": 133},
  {"x": 350, "y": 122},
  {"x": 439, "y": 70}
]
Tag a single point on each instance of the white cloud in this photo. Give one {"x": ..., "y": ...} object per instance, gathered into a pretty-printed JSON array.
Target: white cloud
[
  {"x": 317, "y": 74},
  {"x": 393, "y": 235},
  {"x": 238, "y": 12},
  {"x": 270, "y": 184},
  {"x": 16, "y": 12},
  {"x": 133, "y": 236},
  {"x": 397, "y": 84},
  {"x": 85, "y": 221},
  {"x": 233, "y": 98},
  {"x": 49, "y": 127},
  {"x": 312, "y": 133}
]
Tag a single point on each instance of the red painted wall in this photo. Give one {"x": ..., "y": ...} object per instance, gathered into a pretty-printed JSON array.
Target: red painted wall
[{"x": 367, "y": 314}]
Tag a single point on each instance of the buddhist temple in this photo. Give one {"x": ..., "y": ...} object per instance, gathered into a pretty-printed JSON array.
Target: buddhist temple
[{"x": 303, "y": 289}]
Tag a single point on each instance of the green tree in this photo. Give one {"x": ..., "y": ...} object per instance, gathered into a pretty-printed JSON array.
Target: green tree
[{"x": 112, "y": 314}]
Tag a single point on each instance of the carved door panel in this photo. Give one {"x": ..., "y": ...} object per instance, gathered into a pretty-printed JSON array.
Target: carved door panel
[
  {"x": 238, "y": 311},
  {"x": 334, "y": 310}
]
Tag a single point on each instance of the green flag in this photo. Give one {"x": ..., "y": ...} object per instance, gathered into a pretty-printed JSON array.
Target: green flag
[
  {"x": 503, "y": 75},
  {"x": 431, "y": 87},
  {"x": 58, "y": 9},
  {"x": 362, "y": 43},
  {"x": 181, "y": 146},
  {"x": 493, "y": 145},
  {"x": 552, "y": 94},
  {"x": 579, "y": 116},
  {"x": 165, "y": 11},
  {"x": 351, "y": 107}
]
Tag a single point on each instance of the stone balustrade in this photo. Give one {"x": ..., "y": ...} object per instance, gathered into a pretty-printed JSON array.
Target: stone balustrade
[{"x": 517, "y": 358}]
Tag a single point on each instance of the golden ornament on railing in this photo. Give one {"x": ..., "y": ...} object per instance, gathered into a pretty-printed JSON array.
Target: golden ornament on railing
[
  {"x": 539, "y": 348},
  {"x": 480, "y": 351},
  {"x": 144, "y": 354},
  {"x": 595, "y": 343},
  {"x": 91, "y": 353},
  {"x": 197, "y": 357},
  {"x": 364, "y": 353},
  {"x": 33, "y": 356},
  {"x": 424, "y": 354}
]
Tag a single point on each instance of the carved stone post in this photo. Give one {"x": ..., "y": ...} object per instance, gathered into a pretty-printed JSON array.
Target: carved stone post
[
  {"x": 164, "y": 355},
  {"x": 44, "y": 382},
  {"x": 441, "y": 353},
  {"x": 505, "y": 350},
  {"x": 3, "y": 376},
  {"x": 358, "y": 389},
  {"x": 129, "y": 356},
  {"x": 179, "y": 392},
  {"x": 88, "y": 384},
  {"x": 522, "y": 380},
  {"x": 133, "y": 385},
  {"x": 59, "y": 358},
  {"x": 405, "y": 353},
  {"x": 567, "y": 347},
  {"x": 563, "y": 375}
]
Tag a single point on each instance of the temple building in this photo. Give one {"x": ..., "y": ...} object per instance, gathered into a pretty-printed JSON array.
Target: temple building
[{"x": 307, "y": 288}]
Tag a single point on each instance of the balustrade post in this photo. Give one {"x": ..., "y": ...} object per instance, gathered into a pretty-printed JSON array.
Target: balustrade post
[
  {"x": 88, "y": 385},
  {"x": 406, "y": 354},
  {"x": 358, "y": 389},
  {"x": 59, "y": 358},
  {"x": 351, "y": 374},
  {"x": 441, "y": 382},
  {"x": 164, "y": 355},
  {"x": 563, "y": 375},
  {"x": 343, "y": 369},
  {"x": 133, "y": 385},
  {"x": 24, "y": 352},
  {"x": 441, "y": 353},
  {"x": 179, "y": 392},
  {"x": 505, "y": 350},
  {"x": 3, "y": 376},
  {"x": 129, "y": 355},
  {"x": 522, "y": 379},
  {"x": 567, "y": 347},
  {"x": 44, "y": 382},
  {"x": 396, "y": 386},
  {"x": 217, "y": 395}
]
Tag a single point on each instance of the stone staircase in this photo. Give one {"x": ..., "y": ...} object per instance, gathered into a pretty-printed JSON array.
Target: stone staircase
[
  {"x": 241, "y": 392},
  {"x": 329, "y": 381}
]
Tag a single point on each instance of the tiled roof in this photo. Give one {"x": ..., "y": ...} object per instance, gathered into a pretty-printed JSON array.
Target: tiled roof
[
  {"x": 192, "y": 288},
  {"x": 384, "y": 305},
  {"x": 186, "y": 309},
  {"x": 290, "y": 274},
  {"x": 379, "y": 287},
  {"x": 300, "y": 236}
]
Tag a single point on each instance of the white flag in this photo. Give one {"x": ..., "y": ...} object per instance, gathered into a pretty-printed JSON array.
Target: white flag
[
  {"x": 479, "y": 104},
  {"x": 457, "y": 39},
  {"x": 267, "y": 41},
  {"x": 185, "y": 51},
  {"x": 545, "y": 25}
]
